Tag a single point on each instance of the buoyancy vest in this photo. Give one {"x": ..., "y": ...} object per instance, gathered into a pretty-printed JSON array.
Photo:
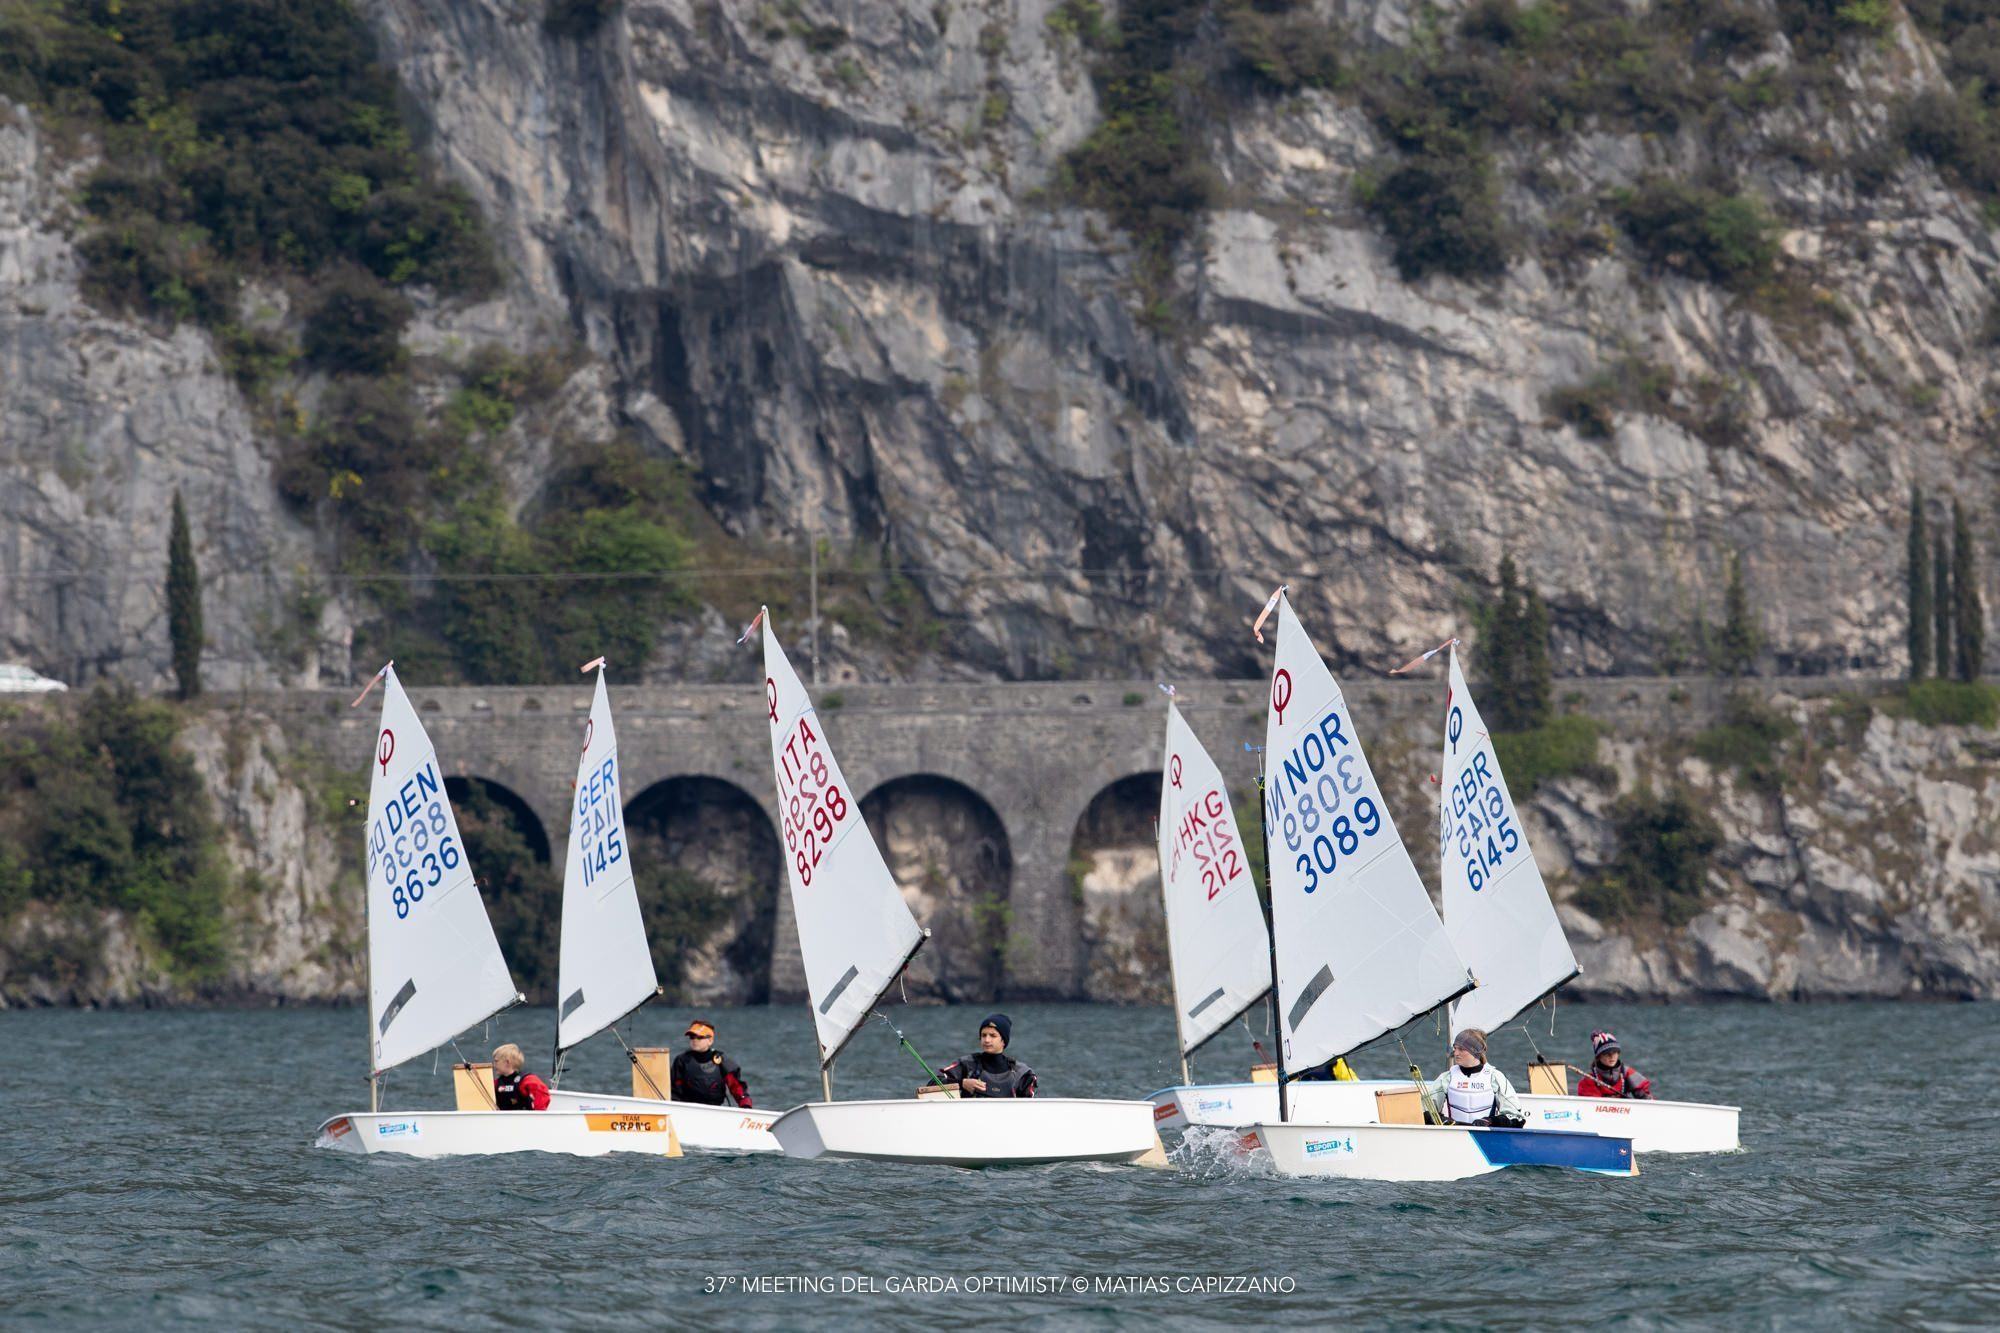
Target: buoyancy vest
[
  {"x": 1469, "y": 1094},
  {"x": 1001, "y": 1073},
  {"x": 700, "y": 1077},
  {"x": 507, "y": 1094}
]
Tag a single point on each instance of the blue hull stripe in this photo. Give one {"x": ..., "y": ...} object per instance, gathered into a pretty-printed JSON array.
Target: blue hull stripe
[{"x": 1549, "y": 1147}]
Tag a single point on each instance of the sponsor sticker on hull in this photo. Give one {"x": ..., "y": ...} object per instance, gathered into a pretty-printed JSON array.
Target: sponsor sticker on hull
[
  {"x": 390, "y": 1129},
  {"x": 1322, "y": 1147},
  {"x": 620, "y": 1123},
  {"x": 1165, "y": 1112}
]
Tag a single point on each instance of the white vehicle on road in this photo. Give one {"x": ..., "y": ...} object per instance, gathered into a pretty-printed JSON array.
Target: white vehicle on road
[{"x": 17, "y": 679}]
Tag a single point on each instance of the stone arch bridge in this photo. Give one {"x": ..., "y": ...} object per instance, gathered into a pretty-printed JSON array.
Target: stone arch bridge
[{"x": 1038, "y": 757}]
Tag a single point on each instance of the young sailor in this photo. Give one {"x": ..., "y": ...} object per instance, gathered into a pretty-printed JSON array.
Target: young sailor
[
  {"x": 1609, "y": 1075},
  {"x": 703, "y": 1074},
  {"x": 1473, "y": 1092},
  {"x": 514, "y": 1090},
  {"x": 992, "y": 1072}
]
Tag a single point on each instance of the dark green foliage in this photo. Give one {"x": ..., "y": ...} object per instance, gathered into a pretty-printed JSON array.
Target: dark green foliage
[
  {"x": 1741, "y": 640},
  {"x": 1143, "y": 164},
  {"x": 682, "y": 911},
  {"x": 608, "y": 514},
  {"x": 100, "y": 809},
  {"x": 367, "y": 464},
  {"x": 239, "y": 135},
  {"x": 577, "y": 19},
  {"x": 1918, "y": 561},
  {"x": 355, "y": 327},
  {"x": 523, "y": 892},
  {"x": 1956, "y": 131},
  {"x": 183, "y": 603},
  {"x": 1280, "y": 47},
  {"x": 1515, "y": 653},
  {"x": 1660, "y": 870},
  {"x": 1441, "y": 212},
  {"x": 1953, "y": 703},
  {"x": 1748, "y": 739},
  {"x": 1563, "y": 747},
  {"x": 1725, "y": 238},
  {"x": 1968, "y": 610},
  {"x": 1943, "y": 603}
]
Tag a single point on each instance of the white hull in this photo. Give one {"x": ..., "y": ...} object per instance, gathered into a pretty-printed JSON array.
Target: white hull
[
  {"x": 1433, "y": 1152},
  {"x": 712, "y": 1128},
  {"x": 971, "y": 1131},
  {"x": 481, "y": 1133},
  {"x": 1653, "y": 1126}
]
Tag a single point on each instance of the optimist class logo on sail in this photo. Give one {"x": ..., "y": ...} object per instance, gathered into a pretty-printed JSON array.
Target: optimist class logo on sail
[
  {"x": 816, "y": 811},
  {"x": 410, "y": 848}
]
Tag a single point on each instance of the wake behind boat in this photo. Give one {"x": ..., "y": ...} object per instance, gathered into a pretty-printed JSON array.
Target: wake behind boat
[{"x": 856, "y": 935}]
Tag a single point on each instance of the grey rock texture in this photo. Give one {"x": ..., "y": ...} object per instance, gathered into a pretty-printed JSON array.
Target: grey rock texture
[
  {"x": 101, "y": 420},
  {"x": 843, "y": 284}
]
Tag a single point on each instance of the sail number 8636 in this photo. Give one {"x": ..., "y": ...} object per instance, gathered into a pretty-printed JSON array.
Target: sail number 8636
[{"x": 422, "y": 855}]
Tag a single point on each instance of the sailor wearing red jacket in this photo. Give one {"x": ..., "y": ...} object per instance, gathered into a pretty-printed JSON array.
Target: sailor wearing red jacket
[
  {"x": 514, "y": 1090},
  {"x": 1609, "y": 1075}
]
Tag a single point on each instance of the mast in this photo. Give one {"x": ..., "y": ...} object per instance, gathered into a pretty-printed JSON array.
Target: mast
[{"x": 1277, "y": 1032}]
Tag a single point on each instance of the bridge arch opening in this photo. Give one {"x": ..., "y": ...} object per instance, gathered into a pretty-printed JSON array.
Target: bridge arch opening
[
  {"x": 1114, "y": 880},
  {"x": 709, "y": 869},
  {"x": 509, "y": 852},
  {"x": 950, "y": 854}
]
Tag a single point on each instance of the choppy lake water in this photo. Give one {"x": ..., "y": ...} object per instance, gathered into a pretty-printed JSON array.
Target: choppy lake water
[{"x": 158, "y": 1172}]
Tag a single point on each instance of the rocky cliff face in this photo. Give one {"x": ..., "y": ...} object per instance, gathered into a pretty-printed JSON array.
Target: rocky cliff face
[{"x": 824, "y": 249}]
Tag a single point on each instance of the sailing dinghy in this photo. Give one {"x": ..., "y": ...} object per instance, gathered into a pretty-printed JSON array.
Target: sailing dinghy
[
  {"x": 856, "y": 934},
  {"x": 1359, "y": 950},
  {"x": 435, "y": 970},
  {"x": 1498, "y": 911},
  {"x": 605, "y": 968}
]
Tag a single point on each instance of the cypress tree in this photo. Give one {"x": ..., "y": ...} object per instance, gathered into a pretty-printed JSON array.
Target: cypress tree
[
  {"x": 1941, "y": 603},
  {"x": 1503, "y": 646},
  {"x": 1968, "y": 610},
  {"x": 1921, "y": 613},
  {"x": 1740, "y": 638},
  {"x": 1537, "y": 675},
  {"x": 184, "y": 603}
]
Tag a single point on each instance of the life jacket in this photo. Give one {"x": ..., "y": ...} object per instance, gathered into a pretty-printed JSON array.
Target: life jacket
[
  {"x": 702, "y": 1077},
  {"x": 1469, "y": 1096},
  {"x": 1003, "y": 1074},
  {"x": 507, "y": 1092}
]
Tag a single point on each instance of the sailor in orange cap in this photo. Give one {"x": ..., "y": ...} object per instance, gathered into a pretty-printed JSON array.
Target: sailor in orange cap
[{"x": 703, "y": 1074}]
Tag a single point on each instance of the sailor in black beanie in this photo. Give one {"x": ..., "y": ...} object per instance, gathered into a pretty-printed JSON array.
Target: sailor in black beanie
[{"x": 992, "y": 1072}]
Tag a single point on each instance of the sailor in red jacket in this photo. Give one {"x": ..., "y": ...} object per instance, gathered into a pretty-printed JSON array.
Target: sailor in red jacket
[
  {"x": 514, "y": 1090},
  {"x": 1609, "y": 1075}
]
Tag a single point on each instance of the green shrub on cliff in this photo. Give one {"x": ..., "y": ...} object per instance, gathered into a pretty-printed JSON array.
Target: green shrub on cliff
[
  {"x": 1660, "y": 871},
  {"x": 1562, "y": 748},
  {"x": 100, "y": 809},
  {"x": 1953, "y": 703}
]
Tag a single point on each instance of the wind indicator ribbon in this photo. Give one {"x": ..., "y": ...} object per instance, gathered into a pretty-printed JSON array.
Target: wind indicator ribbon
[
  {"x": 751, "y": 628},
  {"x": 1169, "y": 690},
  {"x": 593, "y": 664},
  {"x": 1264, "y": 615},
  {"x": 372, "y": 682},
  {"x": 1422, "y": 657}
]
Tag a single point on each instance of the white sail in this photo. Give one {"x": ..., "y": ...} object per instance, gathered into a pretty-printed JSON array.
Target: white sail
[
  {"x": 606, "y": 967},
  {"x": 1495, "y": 904},
  {"x": 1360, "y": 948},
  {"x": 855, "y": 931},
  {"x": 1216, "y": 937},
  {"x": 434, "y": 968}
]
